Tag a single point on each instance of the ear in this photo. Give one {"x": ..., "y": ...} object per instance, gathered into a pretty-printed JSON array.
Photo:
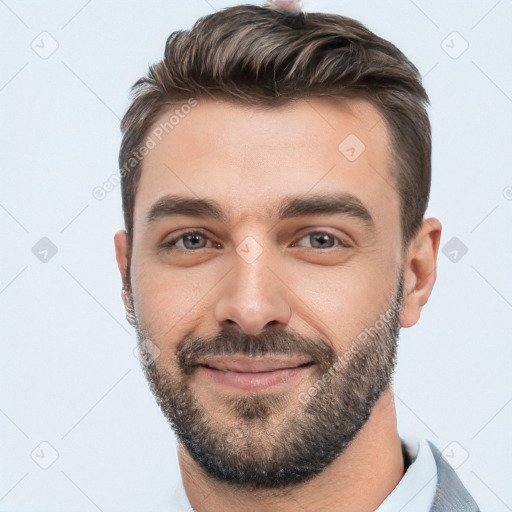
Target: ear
[
  {"x": 123, "y": 263},
  {"x": 420, "y": 270}
]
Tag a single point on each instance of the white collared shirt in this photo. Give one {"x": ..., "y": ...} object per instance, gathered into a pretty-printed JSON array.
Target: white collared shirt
[
  {"x": 414, "y": 493},
  {"x": 416, "y": 490}
]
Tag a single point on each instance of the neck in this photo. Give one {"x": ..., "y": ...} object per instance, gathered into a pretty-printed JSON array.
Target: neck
[{"x": 359, "y": 480}]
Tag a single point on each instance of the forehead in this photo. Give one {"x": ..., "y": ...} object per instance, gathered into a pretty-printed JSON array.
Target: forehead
[{"x": 249, "y": 159}]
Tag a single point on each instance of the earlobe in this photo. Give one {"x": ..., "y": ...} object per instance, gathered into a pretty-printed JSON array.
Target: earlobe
[{"x": 420, "y": 270}]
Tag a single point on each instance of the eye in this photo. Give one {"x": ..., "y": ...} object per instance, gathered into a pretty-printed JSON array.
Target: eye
[
  {"x": 322, "y": 240},
  {"x": 190, "y": 241}
]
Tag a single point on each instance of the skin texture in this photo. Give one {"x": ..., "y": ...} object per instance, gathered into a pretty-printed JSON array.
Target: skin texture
[{"x": 248, "y": 160}]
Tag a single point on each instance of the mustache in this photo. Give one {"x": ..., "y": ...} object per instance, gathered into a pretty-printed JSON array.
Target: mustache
[{"x": 231, "y": 342}]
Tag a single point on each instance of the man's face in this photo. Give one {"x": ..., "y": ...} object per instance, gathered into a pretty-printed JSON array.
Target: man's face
[{"x": 272, "y": 320}]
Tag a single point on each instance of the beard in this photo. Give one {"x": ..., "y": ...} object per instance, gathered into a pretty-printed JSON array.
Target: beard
[{"x": 274, "y": 440}]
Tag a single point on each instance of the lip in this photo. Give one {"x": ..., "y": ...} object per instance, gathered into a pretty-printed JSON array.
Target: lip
[
  {"x": 259, "y": 374},
  {"x": 246, "y": 364}
]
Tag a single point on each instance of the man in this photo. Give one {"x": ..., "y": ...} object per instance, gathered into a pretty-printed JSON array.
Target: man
[{"x": 275, "y": 176}]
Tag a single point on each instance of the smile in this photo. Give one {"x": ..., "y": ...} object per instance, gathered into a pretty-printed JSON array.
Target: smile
[{"x": 242, "y": 372}]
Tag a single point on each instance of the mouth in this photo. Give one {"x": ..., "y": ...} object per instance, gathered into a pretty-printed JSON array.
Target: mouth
[{"x": 253, "y": 374}]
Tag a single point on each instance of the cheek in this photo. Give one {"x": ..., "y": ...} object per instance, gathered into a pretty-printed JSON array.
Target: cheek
[
  {"x": 169, "y": 303},
  {"x": 344, "y": 301}
]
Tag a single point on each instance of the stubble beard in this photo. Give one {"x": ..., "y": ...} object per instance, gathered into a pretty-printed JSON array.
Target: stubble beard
[{"x": 257, "y": 445}]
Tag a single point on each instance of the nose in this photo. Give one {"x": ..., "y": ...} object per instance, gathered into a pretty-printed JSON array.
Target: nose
[{"x": 253, "y": 295}]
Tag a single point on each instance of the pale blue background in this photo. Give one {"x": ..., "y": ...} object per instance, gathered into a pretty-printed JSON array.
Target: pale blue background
[{"x": 68, "y": 374}]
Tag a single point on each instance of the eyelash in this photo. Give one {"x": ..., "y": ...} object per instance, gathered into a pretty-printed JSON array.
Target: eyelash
[{"x": 171, "y": 244}]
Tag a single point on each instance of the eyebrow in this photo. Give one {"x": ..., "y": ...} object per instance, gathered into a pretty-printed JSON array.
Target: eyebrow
[{"x": 290, "y": 207}]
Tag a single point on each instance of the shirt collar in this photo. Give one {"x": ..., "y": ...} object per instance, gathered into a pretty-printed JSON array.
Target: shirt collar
[{"x": 416, "y": 490}]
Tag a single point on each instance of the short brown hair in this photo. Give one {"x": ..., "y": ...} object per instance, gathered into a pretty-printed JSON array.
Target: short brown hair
[{"x": 258, "y": 56}]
